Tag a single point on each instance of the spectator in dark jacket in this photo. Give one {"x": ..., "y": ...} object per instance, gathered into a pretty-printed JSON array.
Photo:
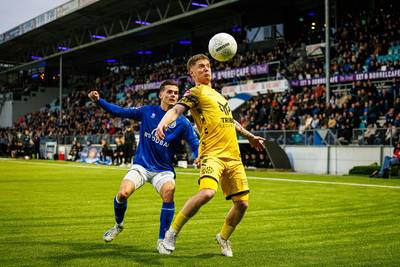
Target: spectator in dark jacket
[{"x": 387, "y": 163}]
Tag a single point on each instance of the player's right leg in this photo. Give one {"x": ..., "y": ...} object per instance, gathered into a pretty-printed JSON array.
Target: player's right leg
[{"x": 133, "y": 180}]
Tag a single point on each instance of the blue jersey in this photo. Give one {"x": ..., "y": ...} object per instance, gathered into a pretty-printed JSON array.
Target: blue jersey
[{"x": 152, "y": 154}]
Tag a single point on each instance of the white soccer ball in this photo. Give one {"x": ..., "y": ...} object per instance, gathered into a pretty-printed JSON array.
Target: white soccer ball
[{"x": 222, "y": 46}]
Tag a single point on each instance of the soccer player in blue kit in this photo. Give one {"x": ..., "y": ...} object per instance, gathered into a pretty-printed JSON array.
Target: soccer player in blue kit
[{"x": 153, "y": 160}]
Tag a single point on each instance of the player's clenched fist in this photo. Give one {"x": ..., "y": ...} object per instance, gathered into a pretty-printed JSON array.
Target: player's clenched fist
[{"x": 94, "y": 96}]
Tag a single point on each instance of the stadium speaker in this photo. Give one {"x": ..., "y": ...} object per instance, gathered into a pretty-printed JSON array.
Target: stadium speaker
[{"x": 277, "y": 156}]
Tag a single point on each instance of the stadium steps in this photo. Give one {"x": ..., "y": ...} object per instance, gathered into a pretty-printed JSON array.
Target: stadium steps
[{"x": 34, "y": 103}]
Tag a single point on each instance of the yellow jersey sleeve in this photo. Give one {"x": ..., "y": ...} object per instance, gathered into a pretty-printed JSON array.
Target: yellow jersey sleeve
[{"x": 191, "y": 98}]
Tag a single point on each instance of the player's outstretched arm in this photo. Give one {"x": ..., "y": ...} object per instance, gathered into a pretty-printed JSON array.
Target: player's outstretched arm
[
  {"x": 255, "y": 141},
  {"x": 115, "y": 110},
  {"x": 168, "y": 118}
]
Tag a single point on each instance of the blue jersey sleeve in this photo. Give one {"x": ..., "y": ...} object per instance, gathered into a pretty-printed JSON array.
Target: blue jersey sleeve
[
  {"x": 133, "y": 113},
  {"x": 191, "y": 138}
]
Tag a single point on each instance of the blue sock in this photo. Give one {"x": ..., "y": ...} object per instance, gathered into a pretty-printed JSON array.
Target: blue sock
[
  {"x": 119, "y": 210},
  {"x": 166, "y": 216}
]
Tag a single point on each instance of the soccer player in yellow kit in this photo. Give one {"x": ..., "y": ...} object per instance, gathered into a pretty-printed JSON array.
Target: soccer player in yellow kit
[{"x": 218, "y": 151}]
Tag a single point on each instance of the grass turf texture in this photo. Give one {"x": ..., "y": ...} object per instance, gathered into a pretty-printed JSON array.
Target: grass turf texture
[{"x": 55, "y": 213}]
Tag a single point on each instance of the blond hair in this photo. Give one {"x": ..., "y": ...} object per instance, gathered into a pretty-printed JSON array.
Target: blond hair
[{"x": 192, "y": 61}]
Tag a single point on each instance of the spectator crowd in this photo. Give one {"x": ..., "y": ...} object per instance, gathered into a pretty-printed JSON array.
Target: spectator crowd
[{"x": 362, "y": 43}]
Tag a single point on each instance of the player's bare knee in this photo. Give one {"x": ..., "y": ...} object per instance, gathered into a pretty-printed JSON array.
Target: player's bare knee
[
  {"x": 167, "y": 192},
  {"x": 242, "y": 205},
  {"x": 123, "y": 194},
  {"x": 206, "y": 194},
  {"x": 126, "y": 189}
]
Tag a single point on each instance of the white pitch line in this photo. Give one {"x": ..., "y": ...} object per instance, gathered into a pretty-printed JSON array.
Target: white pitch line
[
  {"x": 78, "y": 165},
  {"x": 322, "y": 182},
  {"x": 309, "y": 181},
  {"x": 196, "y": 173}
]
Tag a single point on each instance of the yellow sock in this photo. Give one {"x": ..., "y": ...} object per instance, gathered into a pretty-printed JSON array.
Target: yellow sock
[
  {"x": 226, "y": 231},
  {"x": 179, "y": 222}
]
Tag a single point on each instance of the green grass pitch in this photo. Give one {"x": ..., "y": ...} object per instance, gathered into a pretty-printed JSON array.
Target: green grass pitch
[{"x": 55, "y": 213}]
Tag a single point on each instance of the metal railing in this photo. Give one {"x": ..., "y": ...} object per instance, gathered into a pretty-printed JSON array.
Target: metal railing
[
  {"x": 366, "y": 136},
  {"x": 376, "y": 136},
  {"x": 83, "y": 139},
  {"x": 315, "y": 137}
]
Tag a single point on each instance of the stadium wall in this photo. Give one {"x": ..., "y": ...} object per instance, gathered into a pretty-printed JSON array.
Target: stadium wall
[
  {"x": 334, "y": 159},
  {"x": 6, "y": 119},
  {"x": 34, "y": 103}
]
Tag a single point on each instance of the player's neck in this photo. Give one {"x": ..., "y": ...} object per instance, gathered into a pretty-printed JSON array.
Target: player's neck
[
  {"x": 199, "y": 83},
  {"x": 165, "y": 107}
]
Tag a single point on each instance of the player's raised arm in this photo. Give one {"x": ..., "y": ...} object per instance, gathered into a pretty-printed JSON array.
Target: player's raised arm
[
  {"x": 168, "y": 118},
  {"x": 255, "y": 141},
  {"x": 115, "y": 110}
]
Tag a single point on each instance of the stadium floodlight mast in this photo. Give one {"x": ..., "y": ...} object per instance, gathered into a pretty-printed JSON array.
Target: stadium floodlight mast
[
  {"x": 61, "y": 78},
  {"x": 327, "y": 54}
]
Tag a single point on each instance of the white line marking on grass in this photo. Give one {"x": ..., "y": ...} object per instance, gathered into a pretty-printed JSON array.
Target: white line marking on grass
[
  {"x": 196, "y": 173},
  {"x": 322, "y": 182},
  {"x": 77, "y": 165},
  {"x": 309, "y": 181}
]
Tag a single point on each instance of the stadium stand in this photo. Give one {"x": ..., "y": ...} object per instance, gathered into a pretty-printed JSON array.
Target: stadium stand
[{"x": 358, "y": 112}]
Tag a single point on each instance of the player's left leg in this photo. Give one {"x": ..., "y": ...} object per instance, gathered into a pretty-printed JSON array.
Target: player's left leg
[
  {"x": 232, "y": 219},
  {"x": 234, "y": 215},
  {"x": 234, "y": 185}
]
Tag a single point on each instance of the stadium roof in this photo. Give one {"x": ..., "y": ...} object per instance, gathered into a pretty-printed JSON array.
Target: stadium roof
[{"x": 124, "y": 23}]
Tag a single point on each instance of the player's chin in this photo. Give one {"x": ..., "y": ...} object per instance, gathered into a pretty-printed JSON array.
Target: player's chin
[{"x": 207, "y": 78}]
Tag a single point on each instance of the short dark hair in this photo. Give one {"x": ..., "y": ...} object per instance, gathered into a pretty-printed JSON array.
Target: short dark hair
[{"x": 168, "y": 82}]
